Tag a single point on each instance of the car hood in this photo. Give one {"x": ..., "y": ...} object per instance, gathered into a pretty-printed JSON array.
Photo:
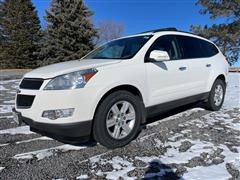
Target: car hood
[{"x": 54, "y": 70}]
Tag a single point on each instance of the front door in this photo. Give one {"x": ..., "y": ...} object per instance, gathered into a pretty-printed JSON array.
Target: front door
[{"x": 171, "y": 79}]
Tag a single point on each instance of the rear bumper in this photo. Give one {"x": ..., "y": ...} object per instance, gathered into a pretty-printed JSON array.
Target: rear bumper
[{"x": 72, "y": 133}]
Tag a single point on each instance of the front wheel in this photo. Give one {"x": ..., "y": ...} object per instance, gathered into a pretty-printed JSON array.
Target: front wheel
[
  {"x": 117, "y": 120},
  {"x": 216, "y": 96}
]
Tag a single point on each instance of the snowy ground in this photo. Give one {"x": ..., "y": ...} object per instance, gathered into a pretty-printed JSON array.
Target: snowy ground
[{"x": 187, "y": 143}]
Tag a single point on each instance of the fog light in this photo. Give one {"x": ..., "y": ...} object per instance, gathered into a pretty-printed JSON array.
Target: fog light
[{"x": 58, "y": 113}]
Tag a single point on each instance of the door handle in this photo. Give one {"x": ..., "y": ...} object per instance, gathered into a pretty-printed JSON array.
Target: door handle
[
  {"x": 182, "y": 68},
  {"x": 208, "y": 65}
]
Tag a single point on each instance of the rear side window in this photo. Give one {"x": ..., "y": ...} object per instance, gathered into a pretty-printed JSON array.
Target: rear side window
[{"x": 192, "y": 48}]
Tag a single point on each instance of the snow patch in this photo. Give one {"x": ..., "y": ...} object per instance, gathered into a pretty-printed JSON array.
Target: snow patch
[
  {"x": 43, "y": 138},
  {"x": 67, "y": 147},
  {"x": 84, "y": 176},
  {"x": 120, "y": 165},
  {"x": 6, "y": 109},
  {"x": 223, "y": 119},
  {"x": 176, "y": 135},
  {"x": 236, "y": 163},
  {"x": 1, "y": 168},
  {"x": 158, "y": 174},
  {"x": 174, "y": 156},
  {"x": 15, "y": 81},
  {"x": 2, "y": 88},
  {"x": 214, "y": 171},
  {"x": 232, "y": 98},
  {"x": 17, "y": 130},
  {"x": 41, "y": 154},
  {"x": 208, "y": 172},
  {"x": 9, "y": 102}
]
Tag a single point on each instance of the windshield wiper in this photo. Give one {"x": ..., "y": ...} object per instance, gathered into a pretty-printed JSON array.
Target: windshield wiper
[{"x": 99, "y": 57}]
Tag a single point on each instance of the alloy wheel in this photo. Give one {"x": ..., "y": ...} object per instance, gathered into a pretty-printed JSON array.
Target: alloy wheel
[{"x": 120, "y": 119}]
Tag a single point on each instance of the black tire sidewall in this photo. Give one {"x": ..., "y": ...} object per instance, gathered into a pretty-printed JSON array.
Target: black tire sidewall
[
  {"x": 211, "y": 104},
  {"x": 100, "y": 131}
]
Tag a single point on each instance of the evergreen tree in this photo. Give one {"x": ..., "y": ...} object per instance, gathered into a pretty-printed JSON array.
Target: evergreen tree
[
  {"x": 225, "y": 35},
  {"x": 69, "y": 32},
  {"x": 19, "y": 34}
]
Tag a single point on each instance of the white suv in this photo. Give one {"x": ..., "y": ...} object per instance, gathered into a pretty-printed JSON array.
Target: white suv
[{"x": 108, "y": 94}]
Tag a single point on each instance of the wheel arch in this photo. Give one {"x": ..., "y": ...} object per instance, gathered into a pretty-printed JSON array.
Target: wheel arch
[
  {"x": 214, "y": 78},
  {"x": 221, "y": 77},
  {"x": 126, "y": 87},
  {"x": 134, "y": 90}
]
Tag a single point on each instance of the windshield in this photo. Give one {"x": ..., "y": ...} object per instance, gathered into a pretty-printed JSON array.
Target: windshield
[{"x": 124, "y": 48}]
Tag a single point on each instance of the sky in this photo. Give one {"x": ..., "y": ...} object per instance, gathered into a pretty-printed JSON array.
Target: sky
[{"x": 142, "y": 15}]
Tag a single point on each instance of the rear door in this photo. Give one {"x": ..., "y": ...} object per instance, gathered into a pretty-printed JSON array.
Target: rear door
[{"x": 196, "y": 54}]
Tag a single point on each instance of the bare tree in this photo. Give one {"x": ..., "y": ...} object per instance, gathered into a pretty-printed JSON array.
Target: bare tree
[{"x": 109, "y": 30}]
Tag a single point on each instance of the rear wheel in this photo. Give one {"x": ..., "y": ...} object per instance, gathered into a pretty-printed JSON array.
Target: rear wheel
[
  {"x": 117, "y": 120},
  {"x": 216, "y": 96}
]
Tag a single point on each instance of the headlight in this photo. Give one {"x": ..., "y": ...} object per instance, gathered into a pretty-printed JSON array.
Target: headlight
[{"x": 72, "y": 80}]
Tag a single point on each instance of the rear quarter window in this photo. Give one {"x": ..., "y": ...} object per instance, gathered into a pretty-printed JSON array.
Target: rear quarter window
[{"x": 209, "y": 48}]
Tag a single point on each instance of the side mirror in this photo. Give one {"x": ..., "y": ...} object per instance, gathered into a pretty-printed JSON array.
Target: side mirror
[{"x": 158, "y": 55}]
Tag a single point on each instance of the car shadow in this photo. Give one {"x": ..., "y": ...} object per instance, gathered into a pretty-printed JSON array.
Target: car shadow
[
  {"x": 159, "y": 171},
  {"x": 156, "y": 169},
  {"x": 161, "y": 64},
  {"x": 153, "y": 118},
  {"x": 172, "y": 112}
]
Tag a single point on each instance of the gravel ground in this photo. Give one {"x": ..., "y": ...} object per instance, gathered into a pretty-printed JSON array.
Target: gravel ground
[{"x": 185, "y": 143}]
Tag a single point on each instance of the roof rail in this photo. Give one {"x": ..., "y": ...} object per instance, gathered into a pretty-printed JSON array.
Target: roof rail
[
  {"x": 159, "y": 30},
  {"x": 190, "y": 33}
]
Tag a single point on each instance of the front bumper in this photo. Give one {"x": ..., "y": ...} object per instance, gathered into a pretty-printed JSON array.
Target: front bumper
[
  {"x": 83, "y": 101},
  {"x": 72, "y": 133}
]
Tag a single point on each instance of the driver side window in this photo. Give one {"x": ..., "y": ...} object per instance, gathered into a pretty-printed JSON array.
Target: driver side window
[{"x": 166, "y": 43}]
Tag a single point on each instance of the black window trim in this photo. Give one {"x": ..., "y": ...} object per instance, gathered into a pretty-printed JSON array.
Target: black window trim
[{"x": 147, "y": 59}]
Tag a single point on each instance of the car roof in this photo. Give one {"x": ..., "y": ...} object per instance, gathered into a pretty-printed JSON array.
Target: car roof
[
  {"x": 170, "y": 30},
  {"x": 167, "y": 31}
]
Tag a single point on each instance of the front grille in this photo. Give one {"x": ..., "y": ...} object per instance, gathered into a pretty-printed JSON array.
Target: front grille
[
  {"x": 24, "y": 101},
  {"x": 29, "y": 83}
]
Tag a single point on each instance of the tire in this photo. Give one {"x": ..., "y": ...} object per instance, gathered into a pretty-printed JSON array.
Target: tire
[
  {"x": 212, "y": 103},
  {"x": 122, "y": 130}
]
